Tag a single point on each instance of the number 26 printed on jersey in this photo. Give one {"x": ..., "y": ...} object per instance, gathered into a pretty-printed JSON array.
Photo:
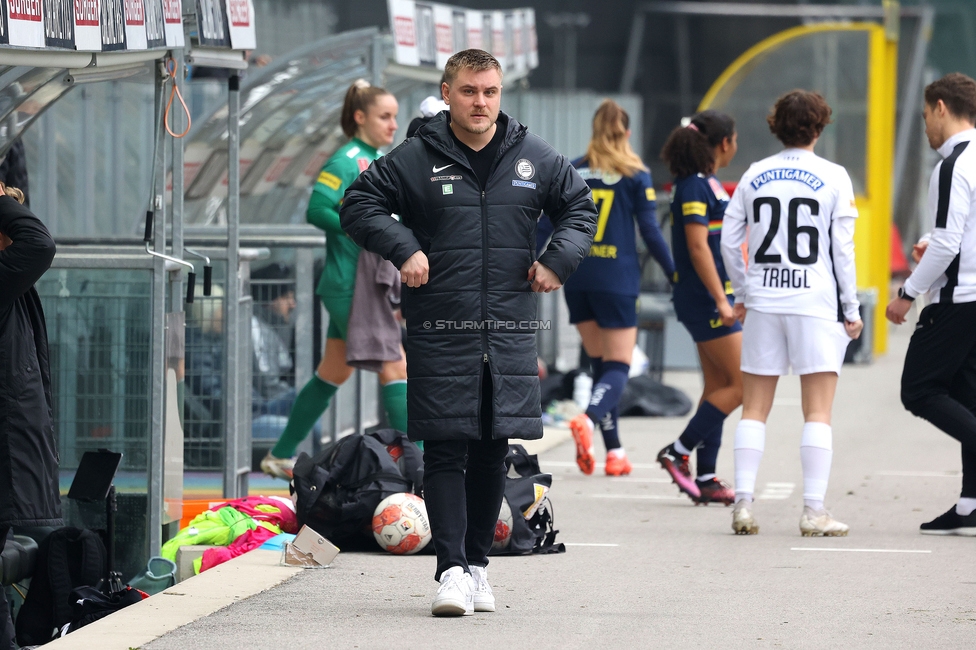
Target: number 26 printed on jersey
[{"x": 793, "y": 230}]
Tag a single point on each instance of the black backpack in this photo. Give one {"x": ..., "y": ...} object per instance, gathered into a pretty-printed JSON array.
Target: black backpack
[
  {"x": 527, "y": 495},
  {"x": 338, "y": 490},
  {"x": 66, "y": 559}
]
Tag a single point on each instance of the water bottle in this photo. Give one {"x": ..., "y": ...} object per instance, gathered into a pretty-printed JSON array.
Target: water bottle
[{"x": 582, "y": 388}]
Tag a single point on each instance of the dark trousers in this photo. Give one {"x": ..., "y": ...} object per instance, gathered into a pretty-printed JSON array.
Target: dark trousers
[
  {"x": 6, "y": 623},
  {"x": 464, "y": 483},
  {"x": 939, "y": 379}
]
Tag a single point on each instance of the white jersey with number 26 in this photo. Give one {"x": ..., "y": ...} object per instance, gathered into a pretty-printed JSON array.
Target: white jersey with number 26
[{"x": 797, "y": 212}]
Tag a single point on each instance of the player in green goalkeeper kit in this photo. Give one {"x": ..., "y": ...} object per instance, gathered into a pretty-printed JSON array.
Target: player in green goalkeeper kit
[{"x": 369, "y": 120}]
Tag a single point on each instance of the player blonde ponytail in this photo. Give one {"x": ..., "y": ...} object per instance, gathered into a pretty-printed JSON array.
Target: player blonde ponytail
[{"x": 609, "y": 149}]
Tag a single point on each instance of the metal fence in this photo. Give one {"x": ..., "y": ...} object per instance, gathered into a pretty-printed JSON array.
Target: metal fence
[{"x": 98, "y": 328}]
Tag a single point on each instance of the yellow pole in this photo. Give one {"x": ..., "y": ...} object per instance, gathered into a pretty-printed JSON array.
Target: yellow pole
[{"x": 873, "y": 239}]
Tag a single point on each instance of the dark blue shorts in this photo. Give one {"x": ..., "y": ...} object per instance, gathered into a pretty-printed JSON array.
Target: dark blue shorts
[
  {"x": 700, "y": 317},
  {"x": 609, "y": 310}
]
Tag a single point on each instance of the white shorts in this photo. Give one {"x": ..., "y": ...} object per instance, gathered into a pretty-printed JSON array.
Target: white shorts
[{"x": 773, "y": 343}]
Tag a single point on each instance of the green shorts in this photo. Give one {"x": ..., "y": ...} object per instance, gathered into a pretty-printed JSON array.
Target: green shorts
[{"x": 338, "y": 308}]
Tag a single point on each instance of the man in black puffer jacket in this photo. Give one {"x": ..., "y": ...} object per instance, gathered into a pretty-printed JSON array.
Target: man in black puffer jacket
[{"x": 469, "y": 190}]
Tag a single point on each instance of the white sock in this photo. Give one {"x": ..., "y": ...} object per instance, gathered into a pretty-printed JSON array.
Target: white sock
[
  {"x": 965, "y": 506},
  {"x": 816, "y": 452},
  {"x": 681, "y": 449},
  {"x": 618, "y": 452},
  {"x": 750, "y": 441},
  {"x": 705, "y": 477}
]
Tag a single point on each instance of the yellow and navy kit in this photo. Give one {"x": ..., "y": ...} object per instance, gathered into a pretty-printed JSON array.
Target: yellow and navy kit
[
  {"x": 612, "y": 264},
  {"x": 698, "y": 199}
]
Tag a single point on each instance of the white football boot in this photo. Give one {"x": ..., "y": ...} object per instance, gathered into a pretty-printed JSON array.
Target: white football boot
[
  {"x": 743, "y": 523},
  {"x": 484, "y": 600},
  {"x": 814, "y": 523},
  {"x": 454, "y": 596}
]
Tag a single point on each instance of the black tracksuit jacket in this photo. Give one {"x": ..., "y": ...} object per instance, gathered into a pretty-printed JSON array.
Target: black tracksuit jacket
[{"x": 477, "y": 313}]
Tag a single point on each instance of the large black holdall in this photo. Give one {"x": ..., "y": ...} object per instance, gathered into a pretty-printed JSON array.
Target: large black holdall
[{"x": 338, "y": 490}]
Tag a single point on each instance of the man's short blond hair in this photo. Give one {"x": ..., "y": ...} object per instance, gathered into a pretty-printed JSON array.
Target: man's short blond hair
[{"x": 473, "y": 59}]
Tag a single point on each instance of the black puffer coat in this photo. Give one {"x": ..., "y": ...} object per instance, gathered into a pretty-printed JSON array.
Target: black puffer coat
[
  {"x": 29, "y": 494},
  {"x": 477, "y": 312}
]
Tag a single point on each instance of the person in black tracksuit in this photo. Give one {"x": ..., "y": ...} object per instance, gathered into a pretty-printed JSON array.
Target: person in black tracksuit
[
  {"x": 29, "y": 494},
  {"x": 469, "y": 190},
  {"x": 939, "y": 379}
]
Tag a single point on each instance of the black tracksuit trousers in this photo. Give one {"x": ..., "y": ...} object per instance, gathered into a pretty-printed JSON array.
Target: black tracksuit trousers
[
  {"x": 939, "y": 379},
  {"x": 464, "y": 483}
]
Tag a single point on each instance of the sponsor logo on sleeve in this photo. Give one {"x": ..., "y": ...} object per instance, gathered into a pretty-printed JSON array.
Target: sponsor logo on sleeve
[{"x": 329, "y": 180}]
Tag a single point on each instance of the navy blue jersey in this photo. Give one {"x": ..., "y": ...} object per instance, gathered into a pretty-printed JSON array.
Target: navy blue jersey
[
  {"x": 612, "y": 265},
  {"x": 697, "y": 199}
]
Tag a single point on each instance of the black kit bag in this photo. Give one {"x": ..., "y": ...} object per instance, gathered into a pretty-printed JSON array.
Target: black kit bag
[
  {"x": 338, "y": 490},
  {"x": 66, "y": 559},
  {"x": 89, "y": 604},
  {"x": 526, "y": 490}
]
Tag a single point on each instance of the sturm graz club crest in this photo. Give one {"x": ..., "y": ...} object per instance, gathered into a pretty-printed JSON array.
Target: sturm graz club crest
[{"x": 524, "y": 169}]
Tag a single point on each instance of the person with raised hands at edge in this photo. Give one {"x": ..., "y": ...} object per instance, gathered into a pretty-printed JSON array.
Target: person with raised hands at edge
[
  {"x": 938, "y": 382},
  {"x": 29, "y": 493},
  {"x": 702, "y": 297},
  {"x": 368, "y": 119},
  {"x": 602, "y": 294},
  {"x": 469, "y": 188},
  {"x": 797, "y": 301}
]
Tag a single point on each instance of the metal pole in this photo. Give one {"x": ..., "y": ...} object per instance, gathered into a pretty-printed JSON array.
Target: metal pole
[
  {"x": 157, "y": 364},
  {"x": 634, "y": 45},
  {"x": 232, "y": 296},
  {"x": 178, "y": 119},
  {"x": 911, "y": 100},
  {"x": 378, "y": 60},
  {"x": 682, "y": 44},
  {"x": 304, "y": 325}
]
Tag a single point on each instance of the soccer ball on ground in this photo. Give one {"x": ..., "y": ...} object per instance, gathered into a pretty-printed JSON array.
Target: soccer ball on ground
[
  {"x": 400, "y": 524},
  {"x": 503, "y": 527}
]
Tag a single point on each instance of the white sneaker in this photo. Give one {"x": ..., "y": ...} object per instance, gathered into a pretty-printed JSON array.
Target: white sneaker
[
  {"x": 743, "y": 523},
  {"x": 454, "y": 596},
  {"x": 484, "y": 600},
  {"x": 814, "y": 523},
  {"x": 278, "y": 467}
]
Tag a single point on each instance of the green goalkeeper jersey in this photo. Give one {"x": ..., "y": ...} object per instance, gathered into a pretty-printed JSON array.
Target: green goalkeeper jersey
[{"x": 341, "y": 252}]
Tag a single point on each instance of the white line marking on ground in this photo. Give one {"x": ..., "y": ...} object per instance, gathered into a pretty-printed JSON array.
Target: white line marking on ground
[
  {"x": 582, "y": 544},
  {"x": 946, "y": 474},
  {"x": 777, "y": 491},
  {"x": 857, "y": 550},
  {"x": 637, "y": 496}
]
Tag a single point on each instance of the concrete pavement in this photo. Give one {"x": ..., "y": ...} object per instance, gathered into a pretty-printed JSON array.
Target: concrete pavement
[{"x": 644, "y": 568}]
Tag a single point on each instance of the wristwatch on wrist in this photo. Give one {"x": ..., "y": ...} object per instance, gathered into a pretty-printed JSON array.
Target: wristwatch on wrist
[{"x": 904, "y": 296}]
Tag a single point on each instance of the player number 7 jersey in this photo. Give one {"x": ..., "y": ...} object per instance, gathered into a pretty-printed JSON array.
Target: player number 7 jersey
[{"x": 786, "y": 207}]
